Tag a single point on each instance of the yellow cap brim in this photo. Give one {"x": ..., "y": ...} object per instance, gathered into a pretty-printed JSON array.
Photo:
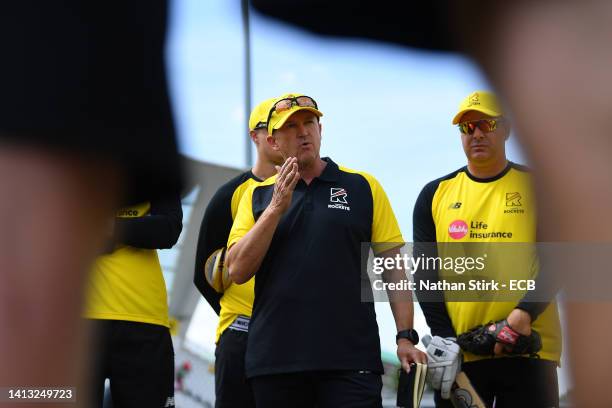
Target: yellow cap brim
[
  {"x": 486, "y": 111},
  {"x": 277, "y": 121}
]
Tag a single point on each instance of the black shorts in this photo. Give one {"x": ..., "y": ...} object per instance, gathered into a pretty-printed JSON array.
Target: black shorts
[
  {"x": 231, "y": 387},
  {"x": 321, "y": 389},
  {"x": 512, "y": 382},
  {"x": 138, "y": 359}
]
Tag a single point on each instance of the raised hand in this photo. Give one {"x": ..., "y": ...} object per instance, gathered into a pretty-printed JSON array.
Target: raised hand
[{"x": 286, "y": 180}]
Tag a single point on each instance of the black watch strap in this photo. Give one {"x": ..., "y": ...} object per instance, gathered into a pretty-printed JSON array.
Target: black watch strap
[{"x": 409, "y": 334}]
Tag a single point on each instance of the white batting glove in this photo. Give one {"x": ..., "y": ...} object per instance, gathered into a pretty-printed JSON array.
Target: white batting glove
[{"x": 443, "y": 363}]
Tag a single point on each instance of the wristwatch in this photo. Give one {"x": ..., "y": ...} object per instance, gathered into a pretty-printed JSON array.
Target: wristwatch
[{"x": 409, "y": 334}]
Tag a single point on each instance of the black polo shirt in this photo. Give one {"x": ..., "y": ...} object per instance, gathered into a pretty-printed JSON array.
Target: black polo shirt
[{"x": 308, "y": 314}]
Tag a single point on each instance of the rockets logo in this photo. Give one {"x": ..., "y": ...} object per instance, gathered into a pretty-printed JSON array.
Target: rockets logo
[
  {"x": 513, "y": 199},
  {"x": 338, "y": 195},
  {"x": 474, "y": 99}
]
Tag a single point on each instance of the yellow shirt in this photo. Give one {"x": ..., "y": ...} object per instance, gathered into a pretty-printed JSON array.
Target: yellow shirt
[
  {"x": 237, "y": 300},
  {"x": 491, "y": 212},
  {"x": 128, "y": 283}
]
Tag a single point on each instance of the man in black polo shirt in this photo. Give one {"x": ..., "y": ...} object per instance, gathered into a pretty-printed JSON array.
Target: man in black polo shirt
[{"x": 312, "y": 341}]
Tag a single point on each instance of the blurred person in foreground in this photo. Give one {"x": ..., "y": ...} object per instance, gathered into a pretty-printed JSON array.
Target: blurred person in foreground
[
  {"x": 312, "y": 340},
  {"x": 550, "y": 61},
  {"x": 233, "y": 303},
  {"x": 85, "y": 127}
]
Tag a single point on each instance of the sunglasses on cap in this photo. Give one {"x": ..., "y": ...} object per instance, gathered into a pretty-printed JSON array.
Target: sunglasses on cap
[
  {"x": 287, "y": 103},
  {"x": 485, "y": 125},
  {"x": 260, "y": 125}
]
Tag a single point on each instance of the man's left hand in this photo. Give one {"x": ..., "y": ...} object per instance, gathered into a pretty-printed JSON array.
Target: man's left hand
[
  {"x": 520, "y": 321},
  {"x": 408, "y": 353}
]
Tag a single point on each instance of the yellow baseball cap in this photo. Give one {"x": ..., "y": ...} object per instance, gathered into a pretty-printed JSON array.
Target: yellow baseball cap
[
  {"x": 259, "y": 115},
  {"x": 481, "y": 101},
  {"x": 278, "y": 119}
]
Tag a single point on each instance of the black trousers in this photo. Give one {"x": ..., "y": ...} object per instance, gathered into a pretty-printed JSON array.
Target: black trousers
[
  {"x": 512, "y": 382},
  {"x": 231, "y": 387},
  {"x": 138, "y": 359},
  {"x": 321, "y": 389}
]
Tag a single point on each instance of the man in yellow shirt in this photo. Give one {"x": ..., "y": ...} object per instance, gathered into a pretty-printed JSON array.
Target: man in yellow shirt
[
  {"x": 490, "y": 200},
  {"x": 235, "y": 304},
  {"x": 128, "y": 306}
]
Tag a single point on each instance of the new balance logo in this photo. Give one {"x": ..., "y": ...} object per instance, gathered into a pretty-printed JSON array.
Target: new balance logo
[{"x": 455, "y": 206}]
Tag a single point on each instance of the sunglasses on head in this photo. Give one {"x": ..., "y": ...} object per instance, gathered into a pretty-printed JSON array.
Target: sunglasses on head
[
  {"x": 260, "y": 125},
  {"x": 485, "y": 125},
  {"x": 287, "y": 103}
]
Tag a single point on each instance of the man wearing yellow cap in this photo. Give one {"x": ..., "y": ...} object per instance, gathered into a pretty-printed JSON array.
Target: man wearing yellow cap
[
  {"x": 233, "y": 303},
  {"x": 312, "y": 341},
  {"x": 488, "y": 201}
]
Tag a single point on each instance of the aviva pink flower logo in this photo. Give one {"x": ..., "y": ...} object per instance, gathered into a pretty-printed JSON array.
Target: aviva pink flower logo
[{"x": 458, "y": 229}]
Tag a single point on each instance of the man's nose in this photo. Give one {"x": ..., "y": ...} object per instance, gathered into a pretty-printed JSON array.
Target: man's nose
[
  {"x": 302, "y": 131},
  {"x": 478, "y": 134}
]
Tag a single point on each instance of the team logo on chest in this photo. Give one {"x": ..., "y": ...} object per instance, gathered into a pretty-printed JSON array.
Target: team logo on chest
[
  {"x": 513, "y": 203},
  {"x": 338, "y": 196},
  {"x": 513, "y": 199}
]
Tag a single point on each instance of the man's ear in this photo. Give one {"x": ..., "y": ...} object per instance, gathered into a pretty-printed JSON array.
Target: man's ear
[
  {"x": 253, "y": 136},
  {"x": 272, "y": 142}
]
